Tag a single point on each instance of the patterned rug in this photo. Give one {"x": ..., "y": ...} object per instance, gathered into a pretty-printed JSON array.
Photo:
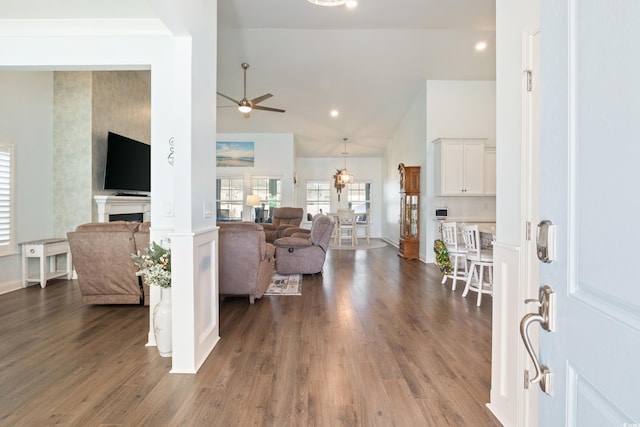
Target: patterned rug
[{"x": 285, "y": 284}]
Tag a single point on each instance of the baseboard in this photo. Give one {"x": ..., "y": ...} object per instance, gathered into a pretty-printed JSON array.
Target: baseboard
[{"x": 10, "y": 287}]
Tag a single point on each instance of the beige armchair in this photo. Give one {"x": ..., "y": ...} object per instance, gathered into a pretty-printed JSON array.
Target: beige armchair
[
  {"x": 282, "y": 219},
  {"x": 245, "y": 260},
  {"x": 101, "y": 253},
  {"x": 305, "y": 254}
]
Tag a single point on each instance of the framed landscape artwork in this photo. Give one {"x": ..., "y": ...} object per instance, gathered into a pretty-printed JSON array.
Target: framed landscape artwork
[{"x": 234, "y": 154}]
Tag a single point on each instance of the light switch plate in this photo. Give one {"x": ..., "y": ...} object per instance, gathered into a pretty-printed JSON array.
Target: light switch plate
[{"x": 207, "y": 211}]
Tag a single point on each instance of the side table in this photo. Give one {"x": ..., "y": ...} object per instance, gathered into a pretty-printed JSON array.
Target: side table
[{"x": 45, "y": 249}]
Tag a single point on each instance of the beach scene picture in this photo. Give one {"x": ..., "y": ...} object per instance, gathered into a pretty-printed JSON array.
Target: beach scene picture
[{"x": 238, "y": 154}]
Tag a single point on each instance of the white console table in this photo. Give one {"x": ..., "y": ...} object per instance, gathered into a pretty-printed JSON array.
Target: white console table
[
  {"x": 115, "y": 205},
  {"x": 45, "y": 250}
]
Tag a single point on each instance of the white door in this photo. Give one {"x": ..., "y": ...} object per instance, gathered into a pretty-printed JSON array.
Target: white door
[{"x": 590, "y": 188}]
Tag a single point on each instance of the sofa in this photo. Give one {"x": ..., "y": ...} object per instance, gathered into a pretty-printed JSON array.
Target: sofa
[
  {"x": 305, "y": 253},
  {"x": 282, "y": 219},
  {"x": 245, "y": 260},
  {"x": 101, "y": 253}
]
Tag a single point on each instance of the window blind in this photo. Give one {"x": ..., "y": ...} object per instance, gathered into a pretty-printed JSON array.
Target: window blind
[{"x": 6, "y": 199}]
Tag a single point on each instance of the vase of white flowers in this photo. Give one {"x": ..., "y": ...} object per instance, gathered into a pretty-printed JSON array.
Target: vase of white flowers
[{"x": 155, "y": 269}]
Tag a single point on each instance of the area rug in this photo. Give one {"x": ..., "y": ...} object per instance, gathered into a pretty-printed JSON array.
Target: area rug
[
  {"x": 362, "y": 245},
  {"x": 285, "y": 284}
]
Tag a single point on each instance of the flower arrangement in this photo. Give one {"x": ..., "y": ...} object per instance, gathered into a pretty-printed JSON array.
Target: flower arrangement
[
  {"x": 442, "y": 257},
  {"x": 155, "y": 265}
]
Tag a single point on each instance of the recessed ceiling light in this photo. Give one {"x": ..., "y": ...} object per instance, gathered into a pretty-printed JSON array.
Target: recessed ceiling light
[
  {"x": 481, "y": 45},
  {"x": 334, "y": 113}
]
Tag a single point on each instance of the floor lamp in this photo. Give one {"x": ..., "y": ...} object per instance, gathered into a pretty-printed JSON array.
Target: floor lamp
[{"x": 253, "y": 200}]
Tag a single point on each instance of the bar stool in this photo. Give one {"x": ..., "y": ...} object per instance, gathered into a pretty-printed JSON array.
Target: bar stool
[
  {"x": 479, "y": 259},
  {"x": 457, "y": 253}
]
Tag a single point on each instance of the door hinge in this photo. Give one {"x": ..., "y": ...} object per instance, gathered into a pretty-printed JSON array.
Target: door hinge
[
  {"x": 529, "y": 80},
  {"x": 528, "y": 230}
]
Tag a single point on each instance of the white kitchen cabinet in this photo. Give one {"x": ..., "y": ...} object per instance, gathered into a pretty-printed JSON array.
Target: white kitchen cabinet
[
  {"x": 459, "y": 166},
  {"x": 490, "y": 171}
]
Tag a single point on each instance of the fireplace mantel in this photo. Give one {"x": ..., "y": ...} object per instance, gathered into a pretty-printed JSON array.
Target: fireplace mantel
[{"x": 114, "y": 205}]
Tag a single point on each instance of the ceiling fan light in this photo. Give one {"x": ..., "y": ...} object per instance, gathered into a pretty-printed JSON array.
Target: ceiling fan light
[
  {"x": 351, "y": 4},
  {"x": 244, "y": 109},
  {"x": 328, "y": 2}
]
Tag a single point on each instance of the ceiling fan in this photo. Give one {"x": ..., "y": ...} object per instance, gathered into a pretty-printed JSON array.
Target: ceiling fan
[{"x": 246, "y": 105}]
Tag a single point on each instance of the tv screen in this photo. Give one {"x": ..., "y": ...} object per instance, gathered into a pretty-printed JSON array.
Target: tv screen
[{"x": 128, "y": 166}]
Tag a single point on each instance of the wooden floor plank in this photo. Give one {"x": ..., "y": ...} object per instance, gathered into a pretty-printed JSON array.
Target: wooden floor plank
[{"x": 375, "y": 340}]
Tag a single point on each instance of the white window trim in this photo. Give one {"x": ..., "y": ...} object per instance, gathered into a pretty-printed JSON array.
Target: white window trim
[{"x": 11, "y": 247}]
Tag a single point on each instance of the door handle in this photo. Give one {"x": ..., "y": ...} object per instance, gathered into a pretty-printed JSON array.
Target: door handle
[{"x": 545, "y": 317}]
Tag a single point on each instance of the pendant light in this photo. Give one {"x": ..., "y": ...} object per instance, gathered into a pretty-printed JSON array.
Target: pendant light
[{"x": 345, "y": 177}]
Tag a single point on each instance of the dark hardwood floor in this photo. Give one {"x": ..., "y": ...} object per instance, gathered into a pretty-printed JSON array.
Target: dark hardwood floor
[{"x": 374, "y": 341}]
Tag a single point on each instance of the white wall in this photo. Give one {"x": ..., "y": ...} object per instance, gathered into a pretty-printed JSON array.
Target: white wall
[
  {"x": 26, "y": 120},
  {"x": 407, "y": 146},
  {"x": 273, "y": 156},
  {"x": 363, "y": 170}
]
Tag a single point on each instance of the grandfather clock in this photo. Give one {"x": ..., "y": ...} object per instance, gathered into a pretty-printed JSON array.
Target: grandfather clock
[{"x": 409, "y": 246}]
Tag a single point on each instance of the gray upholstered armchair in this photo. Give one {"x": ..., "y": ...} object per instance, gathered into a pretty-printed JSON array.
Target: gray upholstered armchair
[
  {"x": 245, "y": 260},
  {"x": 305, "y": 254},
  {"x": 282, "y": 218},
  {"x": 299, "y": 231}
]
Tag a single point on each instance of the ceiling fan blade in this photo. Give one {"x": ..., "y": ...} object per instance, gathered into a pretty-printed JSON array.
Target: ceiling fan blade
[
  {"x": 277, "y": 110},
  {"x": 254, "y": 101},
  {"x": 228, "y": 97}
]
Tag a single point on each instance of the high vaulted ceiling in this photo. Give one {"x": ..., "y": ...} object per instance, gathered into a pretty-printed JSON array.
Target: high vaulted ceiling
[{"x": 369, "y": 63}]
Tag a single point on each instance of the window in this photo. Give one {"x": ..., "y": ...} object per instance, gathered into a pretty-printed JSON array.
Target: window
[
  {"x": 269, "y": 191},
  {"x": 318, "y": 197},
  {"x": 7, "y": 200},
  {"x": 359, "y": 196},
  {"x": 229, "y": 201}
]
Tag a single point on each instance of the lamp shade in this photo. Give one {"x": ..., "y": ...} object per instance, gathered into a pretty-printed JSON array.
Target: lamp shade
[
  {"x": 253, "y": 200},
  {"x": 345, "y": 177}
]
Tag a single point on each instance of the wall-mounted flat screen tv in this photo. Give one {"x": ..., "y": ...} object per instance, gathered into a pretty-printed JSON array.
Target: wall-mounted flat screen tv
[{"x": 128, "y": 166}]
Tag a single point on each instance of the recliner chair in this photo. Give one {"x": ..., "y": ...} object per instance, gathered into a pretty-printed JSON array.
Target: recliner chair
[
  {"x": 101, "y": 253},
  {"x": 282, "y": 219},
  {"x": 305, "y": 255},
  {"x": 245, "y": 260}
]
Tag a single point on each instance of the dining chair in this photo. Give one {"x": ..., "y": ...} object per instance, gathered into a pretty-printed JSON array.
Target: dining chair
[
  {"x": 336, "y": 229},
  {"x": 347, "y": 227},
  {"x": 479, "y": 259},
  {"x": 362, "y": 221},
  {"x": 457, "y": 253}
]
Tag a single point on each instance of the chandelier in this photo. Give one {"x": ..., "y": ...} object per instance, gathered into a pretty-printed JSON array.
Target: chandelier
[
  {"x": 345, "y": 176},
  {"x": 342, "y": 177},
  {"x": 350, "y": 3}
]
